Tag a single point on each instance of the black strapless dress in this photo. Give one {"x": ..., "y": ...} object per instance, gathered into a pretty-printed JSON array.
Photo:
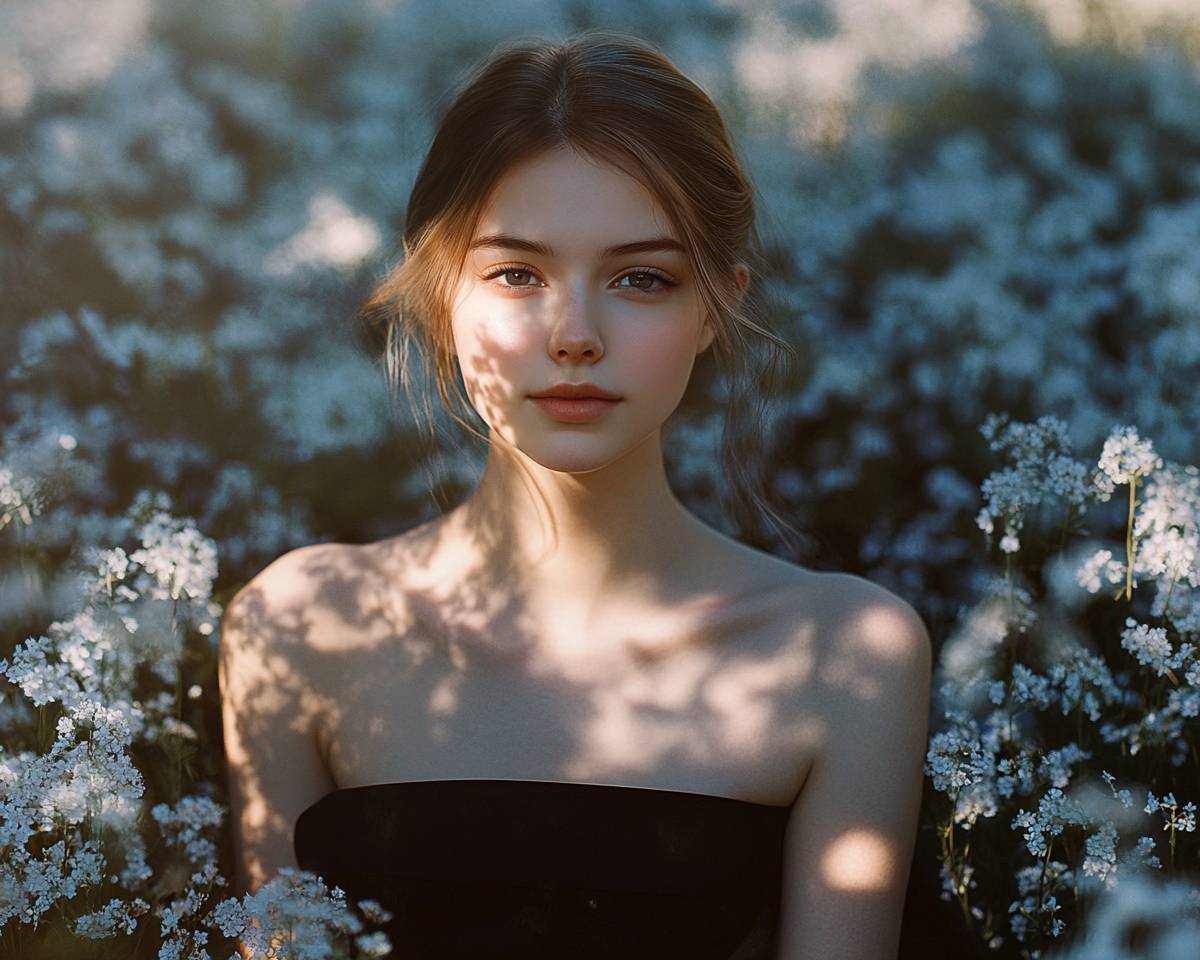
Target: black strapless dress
[{"x": 539, "y": 869}]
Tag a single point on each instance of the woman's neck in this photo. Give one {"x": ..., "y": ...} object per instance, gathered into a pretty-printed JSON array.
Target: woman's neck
[{"x": 574, "y": 541}]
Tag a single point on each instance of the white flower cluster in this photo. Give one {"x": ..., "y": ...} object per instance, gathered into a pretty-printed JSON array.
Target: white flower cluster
[
  {"x": 1167, "y": 530},
  {"x": 1054, "y": 812},
  {"x": 1102, "y": 868},
  {"x": 1042, "y": 468},
  {"x": 956, "y": 759},
  {"x": 998, "y": 708},
  {"x": 1125, "y": 459},
  {"x": 1152, "y": 648},
  {"x": 88, "y": 666},
  {"x": 184, "y": 826},
  {"x": 116, "y": 916},
  {"x": 181, "y": 560},
  {"x": 1163, "y": 915},
  {"x": 94, "y": 780},
  {"x": 1100, "y": 565},
  {"x": 1080, "y": 680},
  {"x": 1177, "y": 818},
  {"x": 1025, "y": 911},
  {"x": 299, "y": 902},
  {"x": 88, "y": 777},
  {"x": 19, "y": 498}
]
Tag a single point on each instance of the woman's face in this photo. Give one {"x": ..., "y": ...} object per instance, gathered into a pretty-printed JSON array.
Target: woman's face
[{"x": 542, "y": 300}]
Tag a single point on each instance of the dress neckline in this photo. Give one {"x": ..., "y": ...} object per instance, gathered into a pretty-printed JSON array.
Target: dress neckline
[{"x": 568, "y": 784}]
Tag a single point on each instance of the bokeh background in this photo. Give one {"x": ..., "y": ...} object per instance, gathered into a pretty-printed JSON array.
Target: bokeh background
[{"x": 970, "y": 206}]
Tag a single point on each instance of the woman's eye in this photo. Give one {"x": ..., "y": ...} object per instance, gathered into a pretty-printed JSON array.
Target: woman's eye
[
  {"x": 510, "y": 272},
  {"x": 641, "y": 280},
  {"x": 644, "y": 280}
]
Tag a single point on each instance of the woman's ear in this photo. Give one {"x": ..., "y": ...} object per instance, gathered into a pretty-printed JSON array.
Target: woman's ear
[
  {"x": 743, "y": 277},
  {"x": 708, "y": 332}
]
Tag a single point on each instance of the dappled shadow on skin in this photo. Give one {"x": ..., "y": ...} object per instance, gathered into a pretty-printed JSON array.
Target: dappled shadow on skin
[
  {"x": 432, "y": 659},
  {"x": 425, "y": 656},
  {"x": 401, "y": 662},
  {"x": 268, "y": 712},
  {"x": 424, "y": 672}
]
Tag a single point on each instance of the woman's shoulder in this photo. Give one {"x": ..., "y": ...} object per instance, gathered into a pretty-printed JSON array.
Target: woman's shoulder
[
  {"x": 875, "y": 654},
  {"x": 291, "y": 574},
  {"x": 851, "y": 634},
  {"x": 860, "y": 617},
  {"x": 300, "y": 602}
]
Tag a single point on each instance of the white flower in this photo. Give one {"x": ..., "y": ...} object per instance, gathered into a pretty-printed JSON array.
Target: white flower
[
  {"x": 185, "y": 824},
  {"x": 1125, "y": 458},
  {"x": 116, "y": 916},
  {"x": 374, "y": 911},
  {"x": 374, "y": 944},
  {"x": 20, "y": 498},
  {"x": 1166, "y": 909},
  {"x": 1055, "y": 811},
  {"x": 1125, "y": 797},
  {"x": 1167, "y": 525},
  {"x": 954, "y": 760},
  {"x": 1152, "y": 648},
  {"x": 335, "y": 236},
  {"x": 1100, "y": 564},
  {"x": 293, "y": 899},
  {"x": 178, "y": 556},
  {"x": 1042, "y": 467}
]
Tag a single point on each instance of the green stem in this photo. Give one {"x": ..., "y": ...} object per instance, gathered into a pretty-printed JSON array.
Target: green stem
[
  {"x": 1170, "y": 590},
  {"x": 1062, "y": 537},
  {"x": 1129, "y": 539},
  {"x": 176, "y": 742},
  {"x": 957, "y": 874},
  {"x": 1042, "y": 879}
]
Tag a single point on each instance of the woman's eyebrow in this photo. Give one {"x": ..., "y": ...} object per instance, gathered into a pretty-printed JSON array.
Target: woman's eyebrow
[{"x": 533, "y": 246}]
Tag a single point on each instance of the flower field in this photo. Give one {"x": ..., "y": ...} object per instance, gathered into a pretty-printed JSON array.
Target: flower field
[{"x": 983, "y": 224}]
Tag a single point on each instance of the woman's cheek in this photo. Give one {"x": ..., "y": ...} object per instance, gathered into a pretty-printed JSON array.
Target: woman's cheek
[
  {"x": 492, "y": 349},
  {"x": 665, "y": 359}
]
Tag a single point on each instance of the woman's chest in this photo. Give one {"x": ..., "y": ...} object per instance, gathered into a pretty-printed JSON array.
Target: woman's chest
[{"x": 728, "y": 710}]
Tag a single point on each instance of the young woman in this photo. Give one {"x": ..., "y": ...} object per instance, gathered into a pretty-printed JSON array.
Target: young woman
[{"x": 568, "y": 718}]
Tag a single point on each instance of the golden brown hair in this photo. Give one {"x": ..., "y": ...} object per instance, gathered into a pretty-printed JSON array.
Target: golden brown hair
[{"x": 618, "y": 99}]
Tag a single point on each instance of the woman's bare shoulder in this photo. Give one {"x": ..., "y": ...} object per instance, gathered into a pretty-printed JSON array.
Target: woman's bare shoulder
[
  {"x": 292, "y": 573},
  {"x": 873, "y": 615},
  {"x": 867, "y": 639},
  {"x": 292, "y": 601}
]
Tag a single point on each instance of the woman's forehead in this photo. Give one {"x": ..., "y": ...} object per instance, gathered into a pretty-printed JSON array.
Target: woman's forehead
[{"x": 572, "y": 205}]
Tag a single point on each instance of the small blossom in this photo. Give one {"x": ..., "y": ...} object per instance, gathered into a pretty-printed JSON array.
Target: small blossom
[
  {"x": 1151, "y": 647},
  {"x": 374, "y": 944},
  {"x": 1124, "y": 459},
  {"x": 116, "y": 916},
  {"x": 1100, "y": 565}
]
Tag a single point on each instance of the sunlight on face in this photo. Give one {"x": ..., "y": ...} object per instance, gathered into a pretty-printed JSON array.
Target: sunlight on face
[
  {"x": 548, "y": 299},
  {"x": 859, "y": 861}
]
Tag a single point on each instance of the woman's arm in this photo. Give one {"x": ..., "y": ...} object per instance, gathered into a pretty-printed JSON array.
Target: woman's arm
[
  {"x": 268, "y": 711},
  {"x": 851, "y": 835}
]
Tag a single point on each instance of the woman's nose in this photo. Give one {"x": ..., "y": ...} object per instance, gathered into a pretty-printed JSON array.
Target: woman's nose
[{"x": 576, "y": 331}]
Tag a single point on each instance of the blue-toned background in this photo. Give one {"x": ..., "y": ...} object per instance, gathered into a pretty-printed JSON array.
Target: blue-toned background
[
  {"x": 970, "y": 206},
  {"x": 971, "y": 209}
]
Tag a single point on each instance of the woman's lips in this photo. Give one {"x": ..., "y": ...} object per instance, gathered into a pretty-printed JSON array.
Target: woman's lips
[{"x": 574, "y": 411}]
